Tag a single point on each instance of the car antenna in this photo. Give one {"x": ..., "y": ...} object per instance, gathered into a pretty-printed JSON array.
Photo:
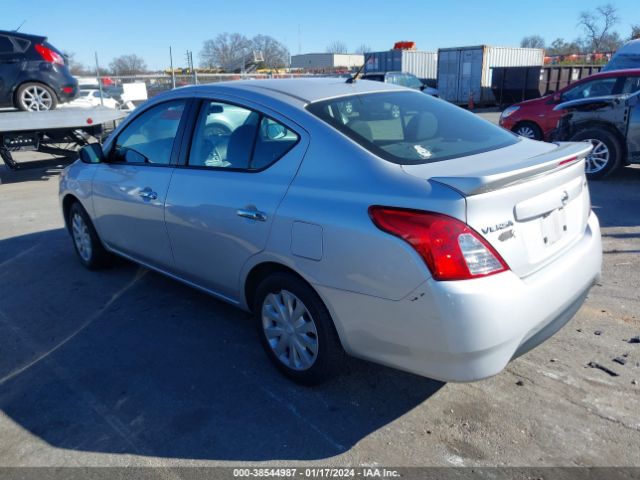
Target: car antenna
[
  {"x": 355, "y": 77},
  {"x": 20, "y": 26}
]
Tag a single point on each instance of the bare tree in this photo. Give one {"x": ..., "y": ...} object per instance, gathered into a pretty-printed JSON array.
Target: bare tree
[
  {"x": 560, "y": 47},
  {"x": 598, "y": 25},
  {"x": 130, "y": 64},
  {"x": 274, "y": 53},
  {"x": 225, "y": 51},
  {"x": 363, "y": 49},
  {"x": 532, "y": 41},
  {"x": 75, "y": 67},
  {"x": 635, "y": 32},
  {"x": 337, "y": 47}
]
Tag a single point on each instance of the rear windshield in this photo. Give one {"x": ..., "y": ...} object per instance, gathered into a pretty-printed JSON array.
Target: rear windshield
[{"x": 409, "y": 127}]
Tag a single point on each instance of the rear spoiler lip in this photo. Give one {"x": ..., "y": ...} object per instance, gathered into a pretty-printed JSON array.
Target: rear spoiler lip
[{"x": 566, "y": 155}]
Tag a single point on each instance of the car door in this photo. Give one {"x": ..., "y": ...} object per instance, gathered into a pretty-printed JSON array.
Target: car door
[
  {"x": 584, "y": 89},
  {"x": 224, "y": 195},
  {"x": 129, "y": 190},
  {"x": 10, "y": 66},
  {"x": 633, "y": 130}
]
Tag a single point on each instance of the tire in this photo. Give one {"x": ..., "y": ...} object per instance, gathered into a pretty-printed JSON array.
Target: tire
[
  {"x": 85, "y": 239},
  {"x": 528, "y": 130},
  {"x": 606, "y": 155},
  {"x": 35, "y": 97},
  {"x": 307, "y": 351}
]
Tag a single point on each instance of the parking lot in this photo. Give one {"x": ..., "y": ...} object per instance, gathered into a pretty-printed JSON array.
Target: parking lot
[{"x": 126, "y": 367}]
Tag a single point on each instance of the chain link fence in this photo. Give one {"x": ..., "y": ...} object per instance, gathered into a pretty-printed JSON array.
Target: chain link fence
[{"x": 158, "y": 83}]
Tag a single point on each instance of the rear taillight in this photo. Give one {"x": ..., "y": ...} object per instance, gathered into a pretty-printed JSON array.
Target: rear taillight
[
  {"x": 49, "y": 55},
  {"x": 450, "y": 248}
]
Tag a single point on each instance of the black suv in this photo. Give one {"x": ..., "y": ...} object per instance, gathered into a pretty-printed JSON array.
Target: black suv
[
  {"x": 33, "y": 74},
  {"x": 612, "y": 125}
]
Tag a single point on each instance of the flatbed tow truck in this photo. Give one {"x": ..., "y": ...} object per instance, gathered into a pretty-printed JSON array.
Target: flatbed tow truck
[{"x": 57, "y": 132}]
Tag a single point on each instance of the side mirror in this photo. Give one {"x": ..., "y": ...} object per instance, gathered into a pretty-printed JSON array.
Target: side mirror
[
  {"x": 275, "y": 131},
  {"x": 92, "y": 153}
]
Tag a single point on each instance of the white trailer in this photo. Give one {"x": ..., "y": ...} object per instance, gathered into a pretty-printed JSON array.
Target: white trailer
[
  {"x": 58, "y": 132},
  {"x": 466, "y": 72}
]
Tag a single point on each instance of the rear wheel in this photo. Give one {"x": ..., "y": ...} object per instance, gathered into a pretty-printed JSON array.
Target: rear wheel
[
  {"x": 35, "y": 97},
  {"x": 606, "y": 154},
  {"x": 296, "y": 329},
  {"x": 85, "y": 239},
  {"x": 528, "y": 130}
]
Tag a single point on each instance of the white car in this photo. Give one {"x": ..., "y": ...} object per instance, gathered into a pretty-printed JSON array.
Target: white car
[{"x": 91, "y": 98}]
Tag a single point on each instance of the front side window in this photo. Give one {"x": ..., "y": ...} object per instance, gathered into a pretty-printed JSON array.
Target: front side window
[
  {"x": 149, "y": 137},
  {"x": 594, "y": 88},
  {"x": 410, "y": 128},
  {"x": 233, "y": 137}
]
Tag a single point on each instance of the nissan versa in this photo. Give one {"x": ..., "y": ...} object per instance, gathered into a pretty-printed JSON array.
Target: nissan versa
[{"x": 358, "y": 217}]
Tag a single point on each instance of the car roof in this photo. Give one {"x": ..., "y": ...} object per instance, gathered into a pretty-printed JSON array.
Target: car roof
[
  {"x": 298, "y": 90},
  {"x": 632, "y": 72},
  {"x": 632, "y": 46},
  {"x": 28, "y": 36}
]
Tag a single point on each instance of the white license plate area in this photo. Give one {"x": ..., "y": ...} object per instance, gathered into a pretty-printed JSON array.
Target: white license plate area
[{"x": 554, "y": 226}]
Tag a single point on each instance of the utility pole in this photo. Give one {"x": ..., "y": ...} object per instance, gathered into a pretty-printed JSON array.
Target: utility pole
[
  {"x": 192, "y": 70},
  {"x": 99, "y": 79},
  {"x": 173, "y": 74}
]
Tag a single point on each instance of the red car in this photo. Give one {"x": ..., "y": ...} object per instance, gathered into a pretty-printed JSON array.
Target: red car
[{"x": 536, "y": 119}]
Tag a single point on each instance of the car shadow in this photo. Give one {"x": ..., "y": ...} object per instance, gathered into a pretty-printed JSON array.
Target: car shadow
[
  {"x": 615, "y": 199},
  {"x": 124, "y": 360},
  {"x": 34, "y": 170}
]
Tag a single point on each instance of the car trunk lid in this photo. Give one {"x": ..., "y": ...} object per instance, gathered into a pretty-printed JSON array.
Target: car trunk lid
[{"x": 530, "y": 201}]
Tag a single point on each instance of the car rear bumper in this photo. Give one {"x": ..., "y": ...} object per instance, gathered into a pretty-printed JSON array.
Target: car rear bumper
[{"x": 468, "y": 330}]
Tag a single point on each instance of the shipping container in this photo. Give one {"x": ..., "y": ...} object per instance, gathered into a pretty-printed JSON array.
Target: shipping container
[
  {"x": 515, "y": 84},
  {"x": 465, "y": 72},
  {"x": 421, "y": 64}
]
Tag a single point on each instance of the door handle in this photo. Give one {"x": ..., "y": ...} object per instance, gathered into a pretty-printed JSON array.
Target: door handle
[
  {"x": 148, "y": 194},
  {"x": 252, "y": 215}
]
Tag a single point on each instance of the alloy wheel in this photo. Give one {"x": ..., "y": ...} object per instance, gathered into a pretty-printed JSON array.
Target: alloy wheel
[
  {"x": 81, "y": 237},
  {"x": 599, "y": 156},
  {"x": 36, "y": 98},
  {"x": 526, "y": 132},
  {"x": 290, "y": 330}
]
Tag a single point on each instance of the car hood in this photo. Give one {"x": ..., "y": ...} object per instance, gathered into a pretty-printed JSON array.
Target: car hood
[{"x": 532, "y": 102}]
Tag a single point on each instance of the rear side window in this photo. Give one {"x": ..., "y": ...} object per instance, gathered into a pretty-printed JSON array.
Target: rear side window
[
  {"x": 232, "y": 137},
  {"x": 411, "y": 128},
  {"x": 6, "y": 46}
]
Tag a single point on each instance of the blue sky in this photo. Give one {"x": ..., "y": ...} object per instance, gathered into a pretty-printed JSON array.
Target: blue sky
[{"x": 148, "y": 28}]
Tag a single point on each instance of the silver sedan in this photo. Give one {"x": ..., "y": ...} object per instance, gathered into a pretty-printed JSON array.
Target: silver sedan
[{"x": 360, "y": 218}]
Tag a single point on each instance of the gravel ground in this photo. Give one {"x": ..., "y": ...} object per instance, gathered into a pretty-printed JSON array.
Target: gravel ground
[{"x": 125, "y": 367}]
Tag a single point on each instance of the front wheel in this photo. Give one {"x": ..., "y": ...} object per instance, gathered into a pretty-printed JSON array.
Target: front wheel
[
  {"x": 606, "y": 154},
  {"x": 35, "y": 97},
  {"x": 528, "y": 130},
  {"x": 296, "y": 329},
  {"x": 85, "y": 239}
]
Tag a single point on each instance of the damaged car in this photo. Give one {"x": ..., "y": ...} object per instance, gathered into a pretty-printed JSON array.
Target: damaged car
[{"x": 610, "y": 123}]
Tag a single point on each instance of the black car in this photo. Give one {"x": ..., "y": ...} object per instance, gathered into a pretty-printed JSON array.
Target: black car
[
  {"x": 33, "y": 73},
  {"x": 611, "y": 123}
]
